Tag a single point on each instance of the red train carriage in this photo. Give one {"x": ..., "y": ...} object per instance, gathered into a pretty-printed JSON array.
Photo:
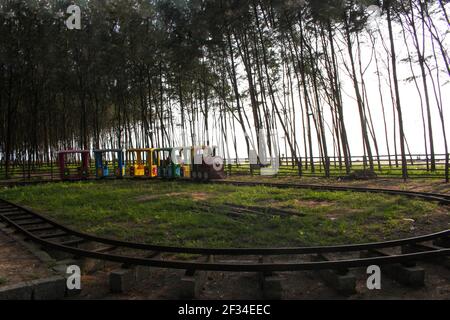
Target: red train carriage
[{"x": 73, "y": 164}]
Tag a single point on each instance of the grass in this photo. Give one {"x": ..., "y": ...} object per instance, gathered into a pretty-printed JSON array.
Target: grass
[
  {"x": 3, "y": 281},
  {"x": 419, "y": 184},
  {"x": 169, "y": 213},
  {"x": 414, "y": 171}
]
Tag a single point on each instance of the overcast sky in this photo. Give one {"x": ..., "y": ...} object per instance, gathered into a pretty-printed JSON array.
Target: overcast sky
[{"x": 409, "y": 98}]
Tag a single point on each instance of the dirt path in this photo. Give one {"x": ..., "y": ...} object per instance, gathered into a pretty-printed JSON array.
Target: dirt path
[
  {"x": 17, "y": 264},
  {"x": 164, "y": 284}
]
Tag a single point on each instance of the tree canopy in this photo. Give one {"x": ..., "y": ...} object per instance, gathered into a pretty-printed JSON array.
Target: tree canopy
[{"x": 171, "y": 72}]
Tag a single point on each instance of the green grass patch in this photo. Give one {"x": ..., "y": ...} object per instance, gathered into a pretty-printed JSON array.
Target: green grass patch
[{"x": 173, "y": 213}]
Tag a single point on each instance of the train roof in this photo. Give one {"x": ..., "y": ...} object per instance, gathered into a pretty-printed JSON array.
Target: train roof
[
  {"x": 107, "y": 150},
  {"x": 163, "y": 149},
  {"x": 72, "y": 151},
  {"x": 140, "y": 149}
]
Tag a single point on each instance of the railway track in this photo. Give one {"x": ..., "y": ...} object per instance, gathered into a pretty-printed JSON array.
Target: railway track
[
  {"x": 51, "y": 234},
  {"x": 441, "y": 198}
]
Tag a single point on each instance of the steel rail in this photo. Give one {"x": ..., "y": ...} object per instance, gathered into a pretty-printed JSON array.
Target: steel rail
[
  {"x": 228, "y": 251},
  {"x": 239, "y": 267},
  {"x": 10, "y": 210},
  {"x": 430, "y": 196},
  {"x": 442, "y": 198}
]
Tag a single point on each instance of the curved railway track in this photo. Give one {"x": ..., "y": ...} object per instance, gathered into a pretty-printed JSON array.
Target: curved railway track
[
  {"x": 51, "y": 234},
  {"x": 428, "y": 196}
]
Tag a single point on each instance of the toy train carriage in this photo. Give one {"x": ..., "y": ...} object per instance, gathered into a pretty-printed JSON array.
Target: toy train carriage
[
  {"x": 168, "y": 162},
  {"x": 102, "y": 167},
  {"x": 184, "y": 158},
  {"x": 206, "y": 164},
  {"x": 142, "y": 162},
  {"x": 73, "y": 164}
]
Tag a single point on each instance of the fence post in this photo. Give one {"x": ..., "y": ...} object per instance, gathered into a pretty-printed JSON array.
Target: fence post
[{"x": 447, "y": 167}]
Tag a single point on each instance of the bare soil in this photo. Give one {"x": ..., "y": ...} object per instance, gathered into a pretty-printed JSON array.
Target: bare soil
[
  {"x": 17, "y": 264},
  {"x": 165, "y": 284}
]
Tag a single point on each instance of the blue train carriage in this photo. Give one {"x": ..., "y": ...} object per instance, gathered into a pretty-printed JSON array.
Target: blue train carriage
[
  {"x": 109, "y": 167},
  {"x": 206, "y": 163},
  {"x": 183, "y": 159},
  {"x": 168, "y": 166}
]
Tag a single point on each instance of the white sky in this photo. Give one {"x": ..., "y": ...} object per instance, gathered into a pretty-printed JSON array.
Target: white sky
[{"x": 409, "y": 98}]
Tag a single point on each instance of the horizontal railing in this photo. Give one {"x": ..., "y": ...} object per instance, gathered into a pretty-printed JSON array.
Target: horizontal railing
[{"x": 418, "y": 165}]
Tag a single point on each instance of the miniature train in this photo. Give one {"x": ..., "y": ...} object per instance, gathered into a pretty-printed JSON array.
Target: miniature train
[{"x": 196, "y": 163}]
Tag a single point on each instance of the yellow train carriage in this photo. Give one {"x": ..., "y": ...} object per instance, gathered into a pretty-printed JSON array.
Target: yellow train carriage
[{"x": 141, "y": 162}]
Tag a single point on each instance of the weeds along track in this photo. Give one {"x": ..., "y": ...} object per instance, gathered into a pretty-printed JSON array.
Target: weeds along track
[
  {"x": 50, "y": 234},
  {"x": 441, "y": 198}
]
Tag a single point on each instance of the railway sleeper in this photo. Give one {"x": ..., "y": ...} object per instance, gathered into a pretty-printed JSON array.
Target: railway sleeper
[
  {"x": 31, "y": 223},
  {"x": 193, "y": 281},
  {"x": 409, "y": 275},
  {"x": 4, "y": 204},
  {"x": 105, "y": 249},
  {"x": 152, "y": 255},
  {"x": 417, "y": 247},
  {"x": 342, "y": 280},
  {"x": 74, "y": 243},
  {"x": 442, "y": 242},
  {"x": 44, "y": 228},
  {"x": 64, "y": 239},
  {"x": 90, "y": 265},
  {"x": 22, "y": 217},
  {"x": 270, "y": 282},
  {"x": 10, "y": 211},
  {"x": 54, "y": 235}
]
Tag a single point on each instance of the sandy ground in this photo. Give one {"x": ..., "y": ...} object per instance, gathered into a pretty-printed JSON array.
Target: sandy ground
[
  {"x": 17, "y": 264},
  {"x": 164, "y": 284}
]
